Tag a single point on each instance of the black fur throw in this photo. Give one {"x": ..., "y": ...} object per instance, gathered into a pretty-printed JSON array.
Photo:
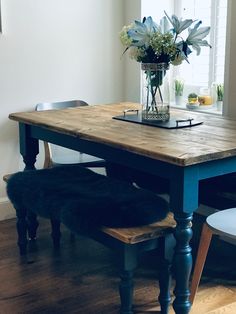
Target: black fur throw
[{"x": 83, "y": 199}]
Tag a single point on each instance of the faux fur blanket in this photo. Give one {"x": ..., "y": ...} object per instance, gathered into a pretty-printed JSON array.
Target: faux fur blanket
[{"x": 83, "y": 199}]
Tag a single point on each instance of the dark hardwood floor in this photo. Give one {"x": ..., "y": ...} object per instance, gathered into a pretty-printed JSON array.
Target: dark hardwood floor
[{"x": 83, "y": 278}]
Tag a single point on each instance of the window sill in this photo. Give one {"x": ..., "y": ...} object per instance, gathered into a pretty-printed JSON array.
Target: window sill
[{"x": 211, "y": 110}]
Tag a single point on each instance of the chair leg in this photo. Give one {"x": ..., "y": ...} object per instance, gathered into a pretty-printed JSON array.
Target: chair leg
[
  {"x": 204, "y": 244},
  {"x": 56, "y": 233},
  {"x": 167, "y": 245},
  {"x": 126, "y": 287}
]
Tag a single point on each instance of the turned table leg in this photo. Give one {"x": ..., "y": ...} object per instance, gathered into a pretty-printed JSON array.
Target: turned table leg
[{"x": 182, "y": 263}]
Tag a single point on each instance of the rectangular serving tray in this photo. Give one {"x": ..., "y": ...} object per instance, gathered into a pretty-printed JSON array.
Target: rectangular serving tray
[{"x": 171, "y": 124}]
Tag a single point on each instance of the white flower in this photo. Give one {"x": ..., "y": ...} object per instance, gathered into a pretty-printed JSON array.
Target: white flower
[
  {"x": 141, "y": 33},
  {"x": 179, "y": 25},
  {"x": 196, "y": 35},
  {"x": 149, "y": 42}
]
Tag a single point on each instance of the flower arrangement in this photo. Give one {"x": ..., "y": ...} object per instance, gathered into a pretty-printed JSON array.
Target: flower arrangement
[
  {"x": 149, "y": 42},
  {"x": 156, "y": 46}
]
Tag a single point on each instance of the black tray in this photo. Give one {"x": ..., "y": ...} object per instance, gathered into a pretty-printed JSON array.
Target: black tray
[{"x": 171, "y": 124}]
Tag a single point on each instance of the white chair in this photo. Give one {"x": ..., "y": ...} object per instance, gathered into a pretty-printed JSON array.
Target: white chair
[
  {"x": 56, "y": 155},
  {"x": 221, "y": 223}
]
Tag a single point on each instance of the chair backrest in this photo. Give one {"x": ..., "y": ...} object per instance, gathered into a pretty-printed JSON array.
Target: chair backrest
[
  {"x": 57, "y": 106},
  {"x": 60, "y": 105}
]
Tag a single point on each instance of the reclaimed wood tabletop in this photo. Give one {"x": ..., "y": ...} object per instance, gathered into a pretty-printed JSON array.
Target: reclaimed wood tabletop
[{"x": 214, "y": 139}]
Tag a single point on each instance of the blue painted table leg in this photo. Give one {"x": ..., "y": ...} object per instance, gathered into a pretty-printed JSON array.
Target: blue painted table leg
[
  {"x": 29, "y": 147},
  {"x": 184, "y": 186},
  {"x": 182, "y": 263}
]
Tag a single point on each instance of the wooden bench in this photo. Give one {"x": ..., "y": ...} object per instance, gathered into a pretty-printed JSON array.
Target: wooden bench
[{"x": 115, "y": 213}]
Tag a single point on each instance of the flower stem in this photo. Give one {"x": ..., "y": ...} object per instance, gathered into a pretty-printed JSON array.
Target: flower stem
[{"x": 160, "y": 94}]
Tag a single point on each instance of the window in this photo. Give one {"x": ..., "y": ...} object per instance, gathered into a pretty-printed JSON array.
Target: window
[{"x": 208, "y": 67}]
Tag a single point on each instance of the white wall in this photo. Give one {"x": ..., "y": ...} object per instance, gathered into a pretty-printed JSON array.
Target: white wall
[
  {"x": 132, "y": 11},
  {"x": 67, "y": 49},
  {"x": 53, "y": 50}
]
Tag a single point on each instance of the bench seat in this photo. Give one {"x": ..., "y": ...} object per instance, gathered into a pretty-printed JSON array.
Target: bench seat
[{"x": 113, "y": 212}]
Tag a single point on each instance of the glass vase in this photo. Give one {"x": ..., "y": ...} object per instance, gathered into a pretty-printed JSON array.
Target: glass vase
[{"x": 155, "y": 92}]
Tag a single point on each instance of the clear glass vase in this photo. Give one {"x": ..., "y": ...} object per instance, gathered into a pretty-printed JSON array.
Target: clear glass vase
[{"x": 155, "y": 91}]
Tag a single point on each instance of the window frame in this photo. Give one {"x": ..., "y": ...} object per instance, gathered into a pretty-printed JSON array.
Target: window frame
[{"x": 177, "y": 9}]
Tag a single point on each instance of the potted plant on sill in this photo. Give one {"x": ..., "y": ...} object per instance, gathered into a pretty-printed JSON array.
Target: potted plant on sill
[
  {"x": 179, "y": 88},
  {"x": 193, "y": 102},
  {"x": 220, "y": 96}
]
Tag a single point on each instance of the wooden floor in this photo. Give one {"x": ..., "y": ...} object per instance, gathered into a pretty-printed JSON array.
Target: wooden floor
[{"x": 82, "y": 278}]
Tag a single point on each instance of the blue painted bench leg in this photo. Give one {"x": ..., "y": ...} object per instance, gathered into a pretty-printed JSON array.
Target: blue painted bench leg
[
  {"x": 128, "y": 264},
  {"x": 126, "y": 292},
  {"x": 166, "y": 252},
  {"x": 22, "y": 227},
  {"x": 32, "y": 225},
  {"x": 56, "y": 233},
  {"x": 26, "y": 224}
]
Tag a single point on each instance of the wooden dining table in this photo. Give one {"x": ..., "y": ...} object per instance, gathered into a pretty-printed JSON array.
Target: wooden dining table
[{"x": 183, "y": 155}]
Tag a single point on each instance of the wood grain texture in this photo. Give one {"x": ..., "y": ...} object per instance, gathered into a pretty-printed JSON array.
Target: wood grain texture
[
  {"x": 216, "y": 300},
  {"x": 83, "y": 278},
  {"x": 214, "y": 139},
  {"x": 140, "y": 234}
]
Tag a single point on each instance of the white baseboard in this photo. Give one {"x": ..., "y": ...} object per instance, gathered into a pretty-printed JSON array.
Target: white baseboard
[{"x": 6, "y": 209}]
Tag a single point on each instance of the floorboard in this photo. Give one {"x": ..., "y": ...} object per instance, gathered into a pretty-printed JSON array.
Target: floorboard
[{"x": 82, "y": 278}]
